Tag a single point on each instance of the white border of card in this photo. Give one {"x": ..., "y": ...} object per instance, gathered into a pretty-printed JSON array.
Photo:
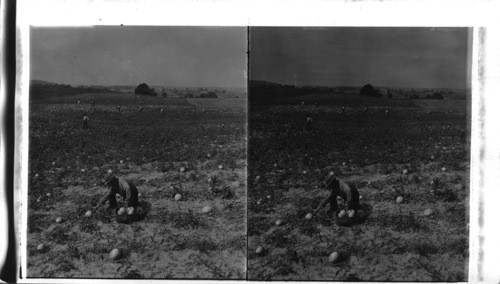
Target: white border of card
[{"x": 485, "y": 74}]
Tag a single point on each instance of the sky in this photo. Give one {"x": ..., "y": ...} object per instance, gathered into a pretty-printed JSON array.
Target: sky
[
  {"x": 157, "y": 56},
  {"x": 355, "y": 56}
]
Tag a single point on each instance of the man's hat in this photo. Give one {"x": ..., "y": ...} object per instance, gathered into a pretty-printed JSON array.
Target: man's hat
[
  {"x": 330, "y": 179},
  {"x": 109, "y": 177}
]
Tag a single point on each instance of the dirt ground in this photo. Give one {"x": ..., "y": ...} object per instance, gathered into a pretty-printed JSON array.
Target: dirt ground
[
  {"x": 175, "y": 239},
  {"x": 410, "y": 153}
]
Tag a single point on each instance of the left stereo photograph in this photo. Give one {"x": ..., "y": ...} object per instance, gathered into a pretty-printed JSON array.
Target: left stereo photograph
[{"x": 137, "y": 152}]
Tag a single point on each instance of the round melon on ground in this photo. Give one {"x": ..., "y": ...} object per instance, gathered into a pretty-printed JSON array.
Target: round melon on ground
[
  {"x": 351, "y": 213},
  {"x": 428, "y": 212},
  {"x": 342, "y": 213},
  {"x": 40, "y": 246},
  {"x": 177, "y": 197},
  {"x": 122, "y": 211},
  {"x": 115, "y": 254},
  {"x": 206, "y": 209},
  {"x": 259, "y": 250},
  {"x": 334, "y": 256}
]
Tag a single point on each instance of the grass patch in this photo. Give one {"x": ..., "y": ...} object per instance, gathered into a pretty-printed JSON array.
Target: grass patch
[
  {"x": 185, "y": 220},
  {"x": 406, "y": 223}
]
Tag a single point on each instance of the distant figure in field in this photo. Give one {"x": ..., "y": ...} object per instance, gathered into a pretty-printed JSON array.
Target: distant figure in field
[
  {"x": 365, "y": 110},
  {"x": 140, "y": 109},
  {"x": 118, "y": 108},
  {"x": 123, "y": 187},
  {"x": 93, "y": 104},
  {"x": 85, "y": 121},
  {"x": 302, "y": 103},
  {"x": 346, "y": 190},
  {"x": 309, "y": 121},
  {"x": 78, "y": 102},
  {"x": 162, "y": 111},
  {"x": 316, "y": 103},
  {"x": 386, "y": 112},
  {"x": 343, "y": 110}
]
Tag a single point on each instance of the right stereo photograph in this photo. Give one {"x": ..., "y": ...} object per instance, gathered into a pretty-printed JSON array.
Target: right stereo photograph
[{"x": 358, "y": 153}]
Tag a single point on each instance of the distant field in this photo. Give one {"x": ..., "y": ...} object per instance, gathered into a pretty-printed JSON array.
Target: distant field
[
  {"x": 441, "y": 104},
  {"x": 348, "y": 100},
  {"x": 117, "y": 98},
  {"x": 220, "y": 103}
]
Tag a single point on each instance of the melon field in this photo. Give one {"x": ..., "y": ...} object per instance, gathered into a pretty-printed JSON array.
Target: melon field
[
  {"x": 165, "y": 156},
  {"x": 412, "y": 153}
]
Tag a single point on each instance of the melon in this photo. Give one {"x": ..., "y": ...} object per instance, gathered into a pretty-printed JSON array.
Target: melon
[
  {"x": 59, "y": 220},
  {"x": 130, "y": 211},
  {"x": 309, "y": 216},
  {"x": 279, "y": 222},
  {"x": 332, "y": 173},
  {"x": 39, "y": 199},
  {"x": 405, "y": 171},
  {"x": 399, "y": 199},
  {"x": 121, "y": 161},
  {"x": 259, "y": 202},
  {"x": 122, "y": 211},
  {"x": 351, "y": 213},
  {"x": 177, "y": 197},
  {"x": 88, "y": 214},
  {"x": 115, "y": 254},
  {"x": 220, "y": 167},
  {"x": 269, "y": 197},
  {"x": 443, "y": 169},
  {"x": 48, "y": 194},
  {"x": 83, "y": 170},
  {"x": 182, "y": 169},
  {"x": 40, "y": 247},
  {"x": 343, "y": 164},
  {"x": 334, "y": 256},
  {"x": 342, "y": 213},
  {"x": 259, "y": 250},
  {"x": 428, "y": 212},
  {"x": 206, "y": 209},
  {"x": 37, "y": 175}
]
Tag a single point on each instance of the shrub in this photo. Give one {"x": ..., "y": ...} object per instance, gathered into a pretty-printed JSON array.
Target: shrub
[
  {"x": 144, "y": 89},
  {"x": 369, "y": 91}
]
